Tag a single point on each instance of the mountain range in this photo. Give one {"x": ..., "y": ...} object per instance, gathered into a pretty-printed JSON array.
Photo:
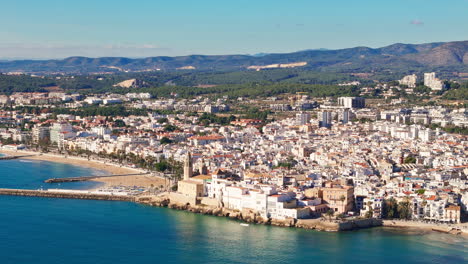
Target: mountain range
[{"x": 453, "y": 55}]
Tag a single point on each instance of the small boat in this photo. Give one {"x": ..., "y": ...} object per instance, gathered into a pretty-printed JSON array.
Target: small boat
[{"x": 243, "y": 224}]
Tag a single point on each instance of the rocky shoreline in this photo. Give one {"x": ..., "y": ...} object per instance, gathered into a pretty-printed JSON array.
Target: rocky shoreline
[
  {"x": 318, "y": 224},
  {"x": 249, "y": 216}
]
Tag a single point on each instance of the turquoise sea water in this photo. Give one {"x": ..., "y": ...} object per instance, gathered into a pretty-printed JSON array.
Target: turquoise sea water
[
  {"x": 31, "y": 174},
  {"x": 43, "y": 230}
]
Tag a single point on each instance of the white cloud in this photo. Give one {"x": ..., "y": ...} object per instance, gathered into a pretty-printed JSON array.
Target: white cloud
[{"x": 416, "y": 22}]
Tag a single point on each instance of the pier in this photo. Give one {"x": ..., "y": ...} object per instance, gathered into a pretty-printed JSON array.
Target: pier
[
  {"x": 67, "y": 194},
  {"x": 87, "y": 178},
  {"x": 15, "y": 157}
]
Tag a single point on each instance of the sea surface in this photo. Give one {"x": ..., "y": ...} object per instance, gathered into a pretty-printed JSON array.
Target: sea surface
[
  {"x": 45, "y": 230},
  {"x": 31, "y": 174}
]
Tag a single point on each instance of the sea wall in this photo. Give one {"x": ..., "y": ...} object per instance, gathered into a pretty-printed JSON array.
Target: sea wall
[
  {"x": 66, "y": 195},
  {"x": 250, "y": 216},
  {"x": 182, "y": 199}
]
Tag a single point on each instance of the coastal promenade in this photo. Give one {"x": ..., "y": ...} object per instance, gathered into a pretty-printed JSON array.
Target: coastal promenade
[
  {"x": 98, "y": 164},
  {"x": 69, "y": 194}
]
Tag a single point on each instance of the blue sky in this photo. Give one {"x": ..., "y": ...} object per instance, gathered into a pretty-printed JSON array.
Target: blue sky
[{"x": 139, "y": 28}]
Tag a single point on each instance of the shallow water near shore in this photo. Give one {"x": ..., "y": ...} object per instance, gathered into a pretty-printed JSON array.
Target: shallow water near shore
[
  {"x": 44, "y": 230},
  {"x": 31, "y": 174}
]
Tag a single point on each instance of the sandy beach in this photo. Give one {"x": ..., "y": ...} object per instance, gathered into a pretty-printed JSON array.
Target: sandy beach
[
  {"x": 139, "y": 180},
  {"x": 461, "y": 229}
]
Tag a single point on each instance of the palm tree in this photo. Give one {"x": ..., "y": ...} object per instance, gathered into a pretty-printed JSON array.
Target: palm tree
[
  {"x": 329, "y": 213},
  {"x": 391, "y": 208},
  {"x": 404, "y": 209}
]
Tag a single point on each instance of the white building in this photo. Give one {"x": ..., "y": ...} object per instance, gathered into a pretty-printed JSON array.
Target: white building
[
  {"x": 302, "y": 118},
  {"x": 432, "y": 82},
  {"x": 93, "y": 100},
  {"x": 60, "y": 130},
  {"x": 100, "y": 131},
  {"x": 409, "y": 80},
  {"x": 108, "y": 101},
  {"x": 352, "y": 102},
  {"x": 39, "y": 133}
]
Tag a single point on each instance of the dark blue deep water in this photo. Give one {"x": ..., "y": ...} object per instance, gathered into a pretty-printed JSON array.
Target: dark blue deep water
[{"x": 43, "y": 230}]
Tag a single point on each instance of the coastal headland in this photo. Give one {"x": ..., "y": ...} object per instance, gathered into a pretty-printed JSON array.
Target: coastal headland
[
  {"x": 249, "y": 216},
  {"x": 319, "y": 224}
]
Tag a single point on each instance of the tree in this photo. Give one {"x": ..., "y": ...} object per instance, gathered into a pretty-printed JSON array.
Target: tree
[
  {"x": 404, "y": 210},
  {"x": 329, "y": 213},
  {"x": 161, "y": 166},
  {"x": 165, "y": 140},
  {"x": 420, "y": 191},
  {"x": 44, "y": 144},
  {"x": 390, "y": 209},
  {"x": 410, "y": 159},
  {"x": 163, "y": 120},
  {"x": 170, "y": 128},
  {"x": 119, "y": 123},
  {"x": 422, "y": 90}
]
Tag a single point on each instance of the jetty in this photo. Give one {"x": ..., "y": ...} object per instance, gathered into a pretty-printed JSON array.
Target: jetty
[
  {"x": 68, "y": 194},
  {"x": 88, "y": 178},
  {"x": 16, "y": 157}
]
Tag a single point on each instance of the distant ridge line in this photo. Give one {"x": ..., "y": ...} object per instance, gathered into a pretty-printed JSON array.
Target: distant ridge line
[{"x": 395, "y": 55}]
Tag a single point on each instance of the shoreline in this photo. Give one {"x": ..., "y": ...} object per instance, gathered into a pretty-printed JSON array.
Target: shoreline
[
  {"x": 318, "y": 224},
  {"x": 455, "y": 229},
  {"x": 99, "y": 166},
  {"x": 247, "y": 217}
]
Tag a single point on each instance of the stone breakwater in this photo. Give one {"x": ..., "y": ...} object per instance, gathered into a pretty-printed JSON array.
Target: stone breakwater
[
  {"x": 249, "y": 216},
  {"x": 66, "y": 195}
]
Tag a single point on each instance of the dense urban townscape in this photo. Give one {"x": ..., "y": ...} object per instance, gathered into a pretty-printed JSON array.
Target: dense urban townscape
[
  {"x": 234, "y": 132},
  {"x": 290, "y": 156}
]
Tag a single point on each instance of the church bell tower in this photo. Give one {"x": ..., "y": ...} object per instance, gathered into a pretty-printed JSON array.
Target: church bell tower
[{"x": 188, "y": 167}]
